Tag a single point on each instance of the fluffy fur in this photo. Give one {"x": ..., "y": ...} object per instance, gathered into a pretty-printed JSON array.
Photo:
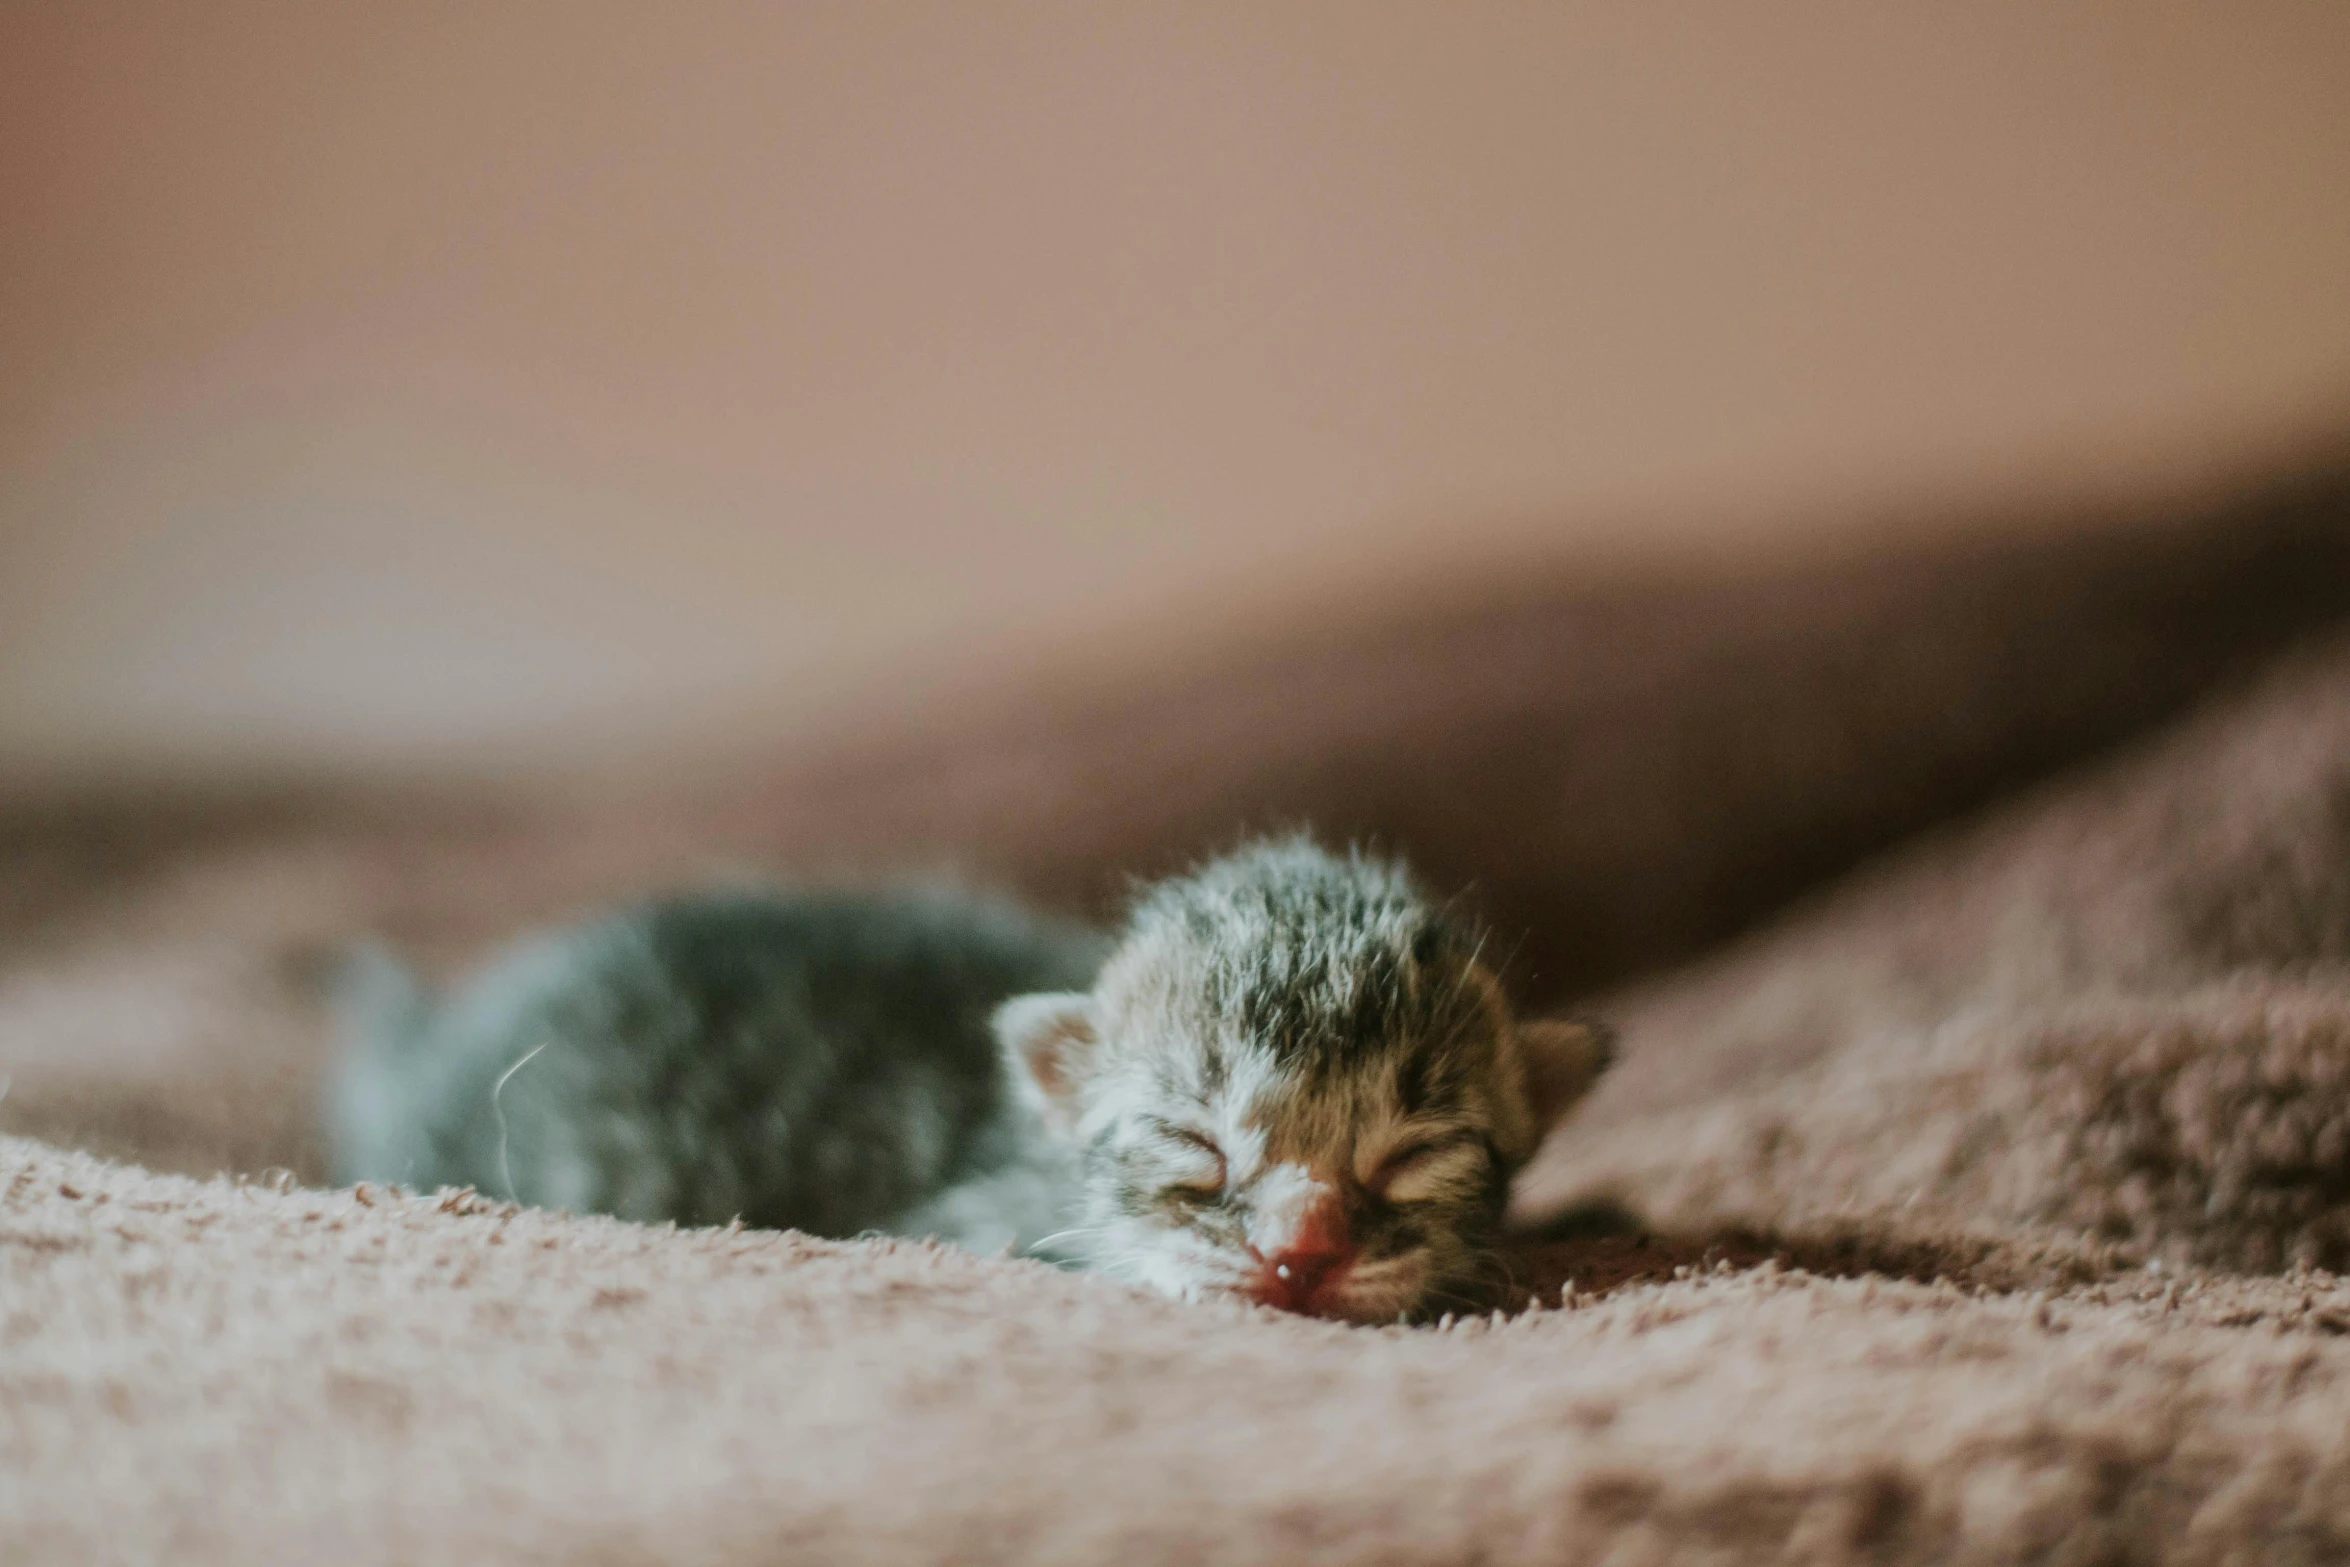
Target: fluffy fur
[
  {"x": 800, "y": 1060},
  {"x": 1295, "y": 1082}
]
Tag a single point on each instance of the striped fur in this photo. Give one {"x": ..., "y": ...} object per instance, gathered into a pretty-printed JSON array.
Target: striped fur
[{"x": 1286, "y": 1031}]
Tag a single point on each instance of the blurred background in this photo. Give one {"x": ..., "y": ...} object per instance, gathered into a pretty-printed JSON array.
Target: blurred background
[
  {"x": 461, "y": 464},
  {"x": 440, "y": 390}
]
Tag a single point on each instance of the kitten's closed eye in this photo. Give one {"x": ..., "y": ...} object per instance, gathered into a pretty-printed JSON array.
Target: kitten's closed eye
[
  {"x": 1413, "y": 1166},
  {"x": 1404, "y": 1158},
  {"x": 1197, "y": 1168}
]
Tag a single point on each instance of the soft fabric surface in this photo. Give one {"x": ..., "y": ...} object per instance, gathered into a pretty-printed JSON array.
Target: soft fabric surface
[
  {"x": 202, "y": 1373},
  {"x": 1992, "y": 1196}
]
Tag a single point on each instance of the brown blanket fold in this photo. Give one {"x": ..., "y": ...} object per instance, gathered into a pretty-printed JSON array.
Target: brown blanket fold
[
  {"x": 2117, "y": 1013},
  {"x": 1993, "y": 1193}
]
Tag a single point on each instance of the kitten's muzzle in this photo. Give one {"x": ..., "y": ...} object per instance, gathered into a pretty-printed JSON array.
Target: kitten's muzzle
[
  {"x": 1308, "y": 1269},
  {"x": 1306, "y": 1282}
]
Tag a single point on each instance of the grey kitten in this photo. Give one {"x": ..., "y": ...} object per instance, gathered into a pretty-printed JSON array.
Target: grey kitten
[{"x": 1292, "y": 1082}]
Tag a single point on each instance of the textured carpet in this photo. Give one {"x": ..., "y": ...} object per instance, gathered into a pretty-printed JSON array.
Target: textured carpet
[
  {"x": 1993, "y": 1197},
  {"x": 203, "y": 1373}
]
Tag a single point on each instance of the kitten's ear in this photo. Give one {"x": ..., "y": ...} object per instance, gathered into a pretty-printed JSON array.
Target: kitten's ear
[
  {"x": 1049, "y": 1042},
  {"x": 1563, "y": 1058}
]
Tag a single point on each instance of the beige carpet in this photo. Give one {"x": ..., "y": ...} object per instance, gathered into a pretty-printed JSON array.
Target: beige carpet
[
  {"x": 203, "y": 1373},
  {"x": 1994, "y": 1192}
]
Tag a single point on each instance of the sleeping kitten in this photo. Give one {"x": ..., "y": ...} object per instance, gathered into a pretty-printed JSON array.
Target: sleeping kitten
[{"x": 1292, "y": 1082}]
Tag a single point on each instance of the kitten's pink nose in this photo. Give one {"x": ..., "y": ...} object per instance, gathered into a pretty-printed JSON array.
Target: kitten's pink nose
[
  {"x": 1295, "y": 1280},
  {"x": 1297, "y": 1276}
]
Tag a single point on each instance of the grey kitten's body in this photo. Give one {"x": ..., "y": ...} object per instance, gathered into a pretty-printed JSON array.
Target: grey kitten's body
[{"x": 814, "y": 1061}]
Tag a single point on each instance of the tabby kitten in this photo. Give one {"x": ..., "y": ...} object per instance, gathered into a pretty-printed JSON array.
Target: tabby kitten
[
  {"x": 1292, "y": 1081},
  {"x": 1295, "y": 1083}
]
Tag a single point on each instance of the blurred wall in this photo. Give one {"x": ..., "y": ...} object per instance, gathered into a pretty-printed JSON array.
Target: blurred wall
[{"x": 455, "y": 386}]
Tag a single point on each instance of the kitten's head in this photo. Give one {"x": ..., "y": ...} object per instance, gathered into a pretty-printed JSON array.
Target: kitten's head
[{"x": 1295, "y": 1083}]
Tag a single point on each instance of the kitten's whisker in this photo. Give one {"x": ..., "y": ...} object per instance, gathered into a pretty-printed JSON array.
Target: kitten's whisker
[
  {"x": 1509, "y": 1275},
  {"x": 505, "y": 1167},
  {"x": 1455, "y": 1298},
  {"x": 1062, "y": 1235}
]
